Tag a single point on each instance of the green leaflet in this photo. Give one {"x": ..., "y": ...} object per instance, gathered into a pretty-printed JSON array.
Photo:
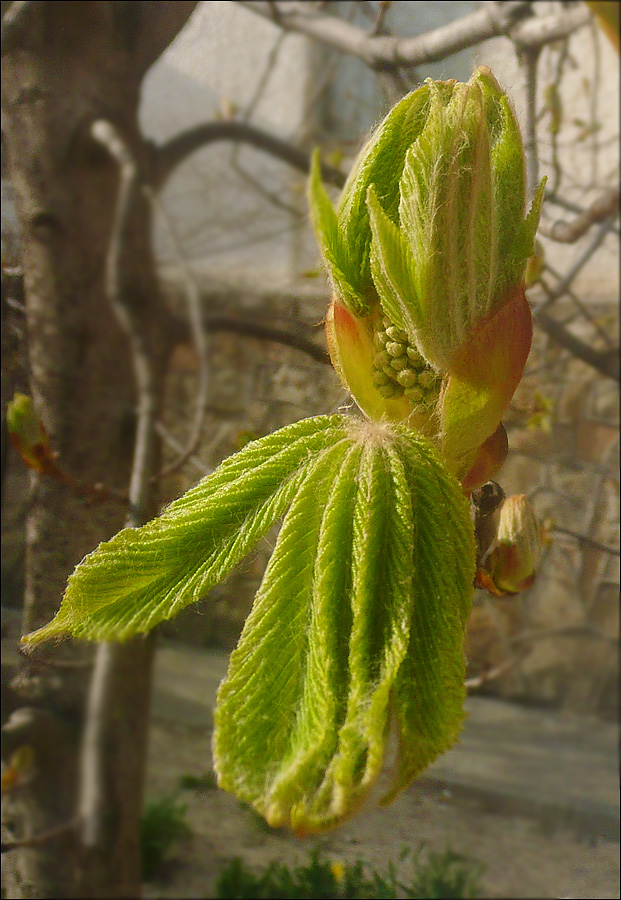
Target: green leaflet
[
  {"x": 337, "y": 254},
  {"x": 377, "y": 164},
  {"x": 146, "y": 575},
  {"x": 430, "y": 689},
  {"x": 344, "y": 235},
  {"x": 267, "y": 695},
  {"x": 324, "y": 661},
  {"x": 393, "y": 270}
]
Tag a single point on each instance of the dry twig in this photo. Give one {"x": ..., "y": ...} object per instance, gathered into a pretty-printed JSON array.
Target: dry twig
[{"x": 605, "y": 207}]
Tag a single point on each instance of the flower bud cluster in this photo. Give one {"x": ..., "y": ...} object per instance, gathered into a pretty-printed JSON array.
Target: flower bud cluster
[
  {"x": 426, "y": 252},
  {"x": 399, "y": 369}
]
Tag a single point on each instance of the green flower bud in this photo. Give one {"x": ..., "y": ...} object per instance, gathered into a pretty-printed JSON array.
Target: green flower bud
[
  {"x": 460, "y": 242},
  {"x": 426, "y": 252}
]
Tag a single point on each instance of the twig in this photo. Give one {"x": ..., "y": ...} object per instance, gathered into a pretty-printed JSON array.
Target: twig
[
  {"x": 606, "y": 362},
  {"x": 271, "y": 196},
  {"x": 478, "y": 681},
  {"x": 392, "y": 80},
  {"x": 168, "y": 156},
  {"x": 172, "y": 442},
  {"x": 114, "y": 662},
  {"x": 381, "y": 51},
  {"x": 604, "y": 207},
  {"x": 584, "y": 311},
  {"x": 563, "y": 631},
  {"x": 36, "y": 840},
  {"x": 581, "y": 261},
  {"x": 594, "y": 97},
  {"x": 139, "y": 486},
  {"x": 261, "y": 84},
  {"x": 193, "y": 296},
  {"x": 541, "y": 30},
  {"x": 570, "y": 206},
  {"x": 588, "y": 542},
  {"x": 556, "y": 114},
  {"x": 529, "y": 60},
  {"x": 259, "y": 330}
]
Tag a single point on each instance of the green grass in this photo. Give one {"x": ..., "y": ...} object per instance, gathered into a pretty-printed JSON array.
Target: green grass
[
  {"x": 163, "y": 824},
  {"x": 202, "y": 784},
  {"x": 436, "y": 876}
]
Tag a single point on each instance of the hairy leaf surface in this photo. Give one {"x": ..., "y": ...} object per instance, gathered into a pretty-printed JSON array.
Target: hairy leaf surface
[
  {"x": 358, "y": 624},
  {"x": 146, "y": 575},
  {"x": 357, "y": 627}
]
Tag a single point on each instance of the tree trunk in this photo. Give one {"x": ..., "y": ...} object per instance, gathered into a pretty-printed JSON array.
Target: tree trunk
[{"x": 74, "y": 63}]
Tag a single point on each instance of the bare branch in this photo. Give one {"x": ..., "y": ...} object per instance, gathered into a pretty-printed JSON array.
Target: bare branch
[
  {"x": 172, "y": 442},
  {"x": 139, "y": 488},
  {"x": 36, "y": 840},
  {"x": 558, "y": 200},
  {"x": 581, "y": 628},
  {"x": 582, "y": 308},
  {"x": 588, "y": 542},
  {"x": 526, "y": 637},
  {"x": 605, "y": 207},
  {"x": 270, "y": 64},
  {"x": 116, "y": 664},
  {"x": 488, "y": 675},
  {"x": 120, "y": 669},
  {"x": 262, "y": 331},
  {"x": 272, "y": 197},
  {"x": 606, "y": 362},
  {"x": 542, "y": 30},
  {"x": 169, "y": 155},
  {"x": 380, "y": 51},
  {"x": 578, "y": 265},
  {"x": 529, "y": 60}
]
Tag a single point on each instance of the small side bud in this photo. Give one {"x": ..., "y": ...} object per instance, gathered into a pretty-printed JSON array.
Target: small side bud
[
  {"x": 510, "y": 566},
  {"x": 28, "y": 435}
]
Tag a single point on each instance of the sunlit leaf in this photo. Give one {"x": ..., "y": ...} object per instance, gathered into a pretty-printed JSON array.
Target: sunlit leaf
[
  {"x": 143, "y": 576},
  {"x": 359, "y": 621}
]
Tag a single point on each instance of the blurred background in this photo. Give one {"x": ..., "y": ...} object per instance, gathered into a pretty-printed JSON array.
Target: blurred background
[{"x": 230, "y": 109}]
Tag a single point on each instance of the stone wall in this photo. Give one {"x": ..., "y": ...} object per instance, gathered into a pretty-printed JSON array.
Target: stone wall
[
  {"x": 255, "y": 387},
  {"x": 559, "y": 640},
  {"x": 555, "y": 643}
]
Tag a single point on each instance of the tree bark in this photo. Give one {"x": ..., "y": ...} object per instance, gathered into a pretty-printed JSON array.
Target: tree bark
[{"x": 74, "y": 63}]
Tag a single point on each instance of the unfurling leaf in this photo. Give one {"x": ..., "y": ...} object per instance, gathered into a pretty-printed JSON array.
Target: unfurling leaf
[
  {"x": 358, "y": 624},
  {"x": 143, "y": 576}
]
